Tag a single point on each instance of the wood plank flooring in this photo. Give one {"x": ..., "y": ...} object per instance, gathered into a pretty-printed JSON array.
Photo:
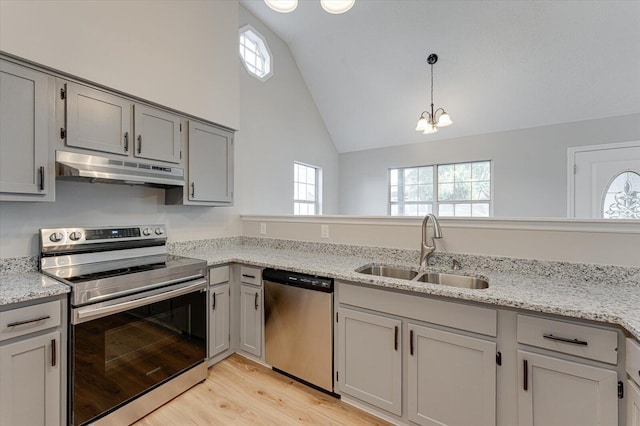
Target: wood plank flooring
[{"x": 241, "y": 392}]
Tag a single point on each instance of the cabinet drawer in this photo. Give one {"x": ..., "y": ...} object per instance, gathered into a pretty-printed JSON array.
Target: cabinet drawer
[
  {"x": 573, "y": 339},
  {"x": 250, "y": 275},
  {"x": 20, "y": 321},
  {"x": 218, "y": 275},
  {"x": 633, "y": 360}
]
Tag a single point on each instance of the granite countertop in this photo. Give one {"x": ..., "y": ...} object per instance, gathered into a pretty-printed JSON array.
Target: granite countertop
[
  {"x": 617, "y": 303},
  {"x": 592, "y": 292},
  {"x": 18, "y": 287}
]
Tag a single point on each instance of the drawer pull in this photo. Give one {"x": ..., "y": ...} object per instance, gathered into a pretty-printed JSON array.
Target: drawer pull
[
  {"x": 17, "y": 323},
  {"x": 253, "y": 277},
  {"x": 525, "y": 372},
  {"x": 565, "y": 340}
]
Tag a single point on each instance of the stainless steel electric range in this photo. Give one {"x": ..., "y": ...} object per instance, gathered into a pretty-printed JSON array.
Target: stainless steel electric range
[{"x": 137, "y": 319}]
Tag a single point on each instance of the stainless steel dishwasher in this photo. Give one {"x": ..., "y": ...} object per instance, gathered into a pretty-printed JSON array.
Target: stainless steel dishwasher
[{"x": 298, "y": 318}]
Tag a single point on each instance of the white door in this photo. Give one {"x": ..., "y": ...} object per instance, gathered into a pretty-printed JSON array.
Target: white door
[{"x": 604, "y": 181}]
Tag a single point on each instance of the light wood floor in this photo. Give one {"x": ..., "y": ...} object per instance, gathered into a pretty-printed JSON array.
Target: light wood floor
[{"x": 240, "y": 392}]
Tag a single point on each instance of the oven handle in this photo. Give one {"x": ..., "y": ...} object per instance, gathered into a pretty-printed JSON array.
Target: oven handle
[{"x": 90, "y": 312}]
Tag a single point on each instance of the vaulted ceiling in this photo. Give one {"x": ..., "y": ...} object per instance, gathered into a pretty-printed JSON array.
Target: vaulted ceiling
[{"x": 502, "y": 65}]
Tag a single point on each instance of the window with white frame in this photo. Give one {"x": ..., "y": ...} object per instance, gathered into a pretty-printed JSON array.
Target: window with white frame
[
  {"x": 460, "y": 189},
  {"x": 255, "y": 53},
  {"x": 307, "y": 181}
]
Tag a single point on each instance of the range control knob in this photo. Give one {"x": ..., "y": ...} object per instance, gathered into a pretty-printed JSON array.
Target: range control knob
[
  {"x": 146, "y": 232},
  {"x": 56, "y": 237},
  {"x": 75, "y": 236},
  {"x": 159, "y": 231}
]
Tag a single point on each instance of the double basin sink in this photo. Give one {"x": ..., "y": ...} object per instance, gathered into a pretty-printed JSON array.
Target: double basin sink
[{"x": 453, "y": 280}]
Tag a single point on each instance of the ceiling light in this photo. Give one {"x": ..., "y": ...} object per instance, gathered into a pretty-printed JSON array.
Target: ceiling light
[
  {"x": 337, "y": 6},
  {"x": 331, "y": 6},
  {"x": 282, "y": 6},
  {"x": 429, "y": 122}
]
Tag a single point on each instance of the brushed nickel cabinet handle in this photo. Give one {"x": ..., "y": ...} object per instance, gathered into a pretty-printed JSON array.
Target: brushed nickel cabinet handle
[
  {"x": 53, "y": 353},
  {"x": 17, "y": 323}
]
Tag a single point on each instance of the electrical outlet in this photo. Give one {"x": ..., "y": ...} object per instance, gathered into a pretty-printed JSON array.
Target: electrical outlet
[
  {"x": 324, "y": 231},
  {"x": 263, "y": 228}
]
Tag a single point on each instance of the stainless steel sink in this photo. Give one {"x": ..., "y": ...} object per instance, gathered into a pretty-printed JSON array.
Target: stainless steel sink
[
  {"x": 462, "y": 281},
  {"x": 388, "y": 271}
]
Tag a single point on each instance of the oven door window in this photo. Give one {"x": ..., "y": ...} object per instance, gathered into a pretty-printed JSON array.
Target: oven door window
[{"x": 121, "y": 356}]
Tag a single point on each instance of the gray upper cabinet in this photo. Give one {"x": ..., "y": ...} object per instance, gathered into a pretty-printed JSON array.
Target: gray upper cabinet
[
  {"x": 210, "y": 168},
  {"x": 157, "y": 134},
  {"x": 97, "y": 120},
  {"x": 26, "y": 115}
]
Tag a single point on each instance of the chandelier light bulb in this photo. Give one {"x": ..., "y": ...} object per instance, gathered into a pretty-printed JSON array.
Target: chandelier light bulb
[
  {"x": 423, "y": 123},
  {"x": 282, "y": 6},
  {"x": 430, "y": 130},
  {"x": 444, "y": 120},
  {"x": 337, "y": 6}
]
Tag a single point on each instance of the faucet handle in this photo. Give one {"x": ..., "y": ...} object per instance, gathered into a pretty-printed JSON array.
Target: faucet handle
[{"x": 456, "y": 265}]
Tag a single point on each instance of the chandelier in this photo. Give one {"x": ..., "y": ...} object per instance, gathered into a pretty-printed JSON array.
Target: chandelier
[
  {"x": 430, "y": 121},
  {"x": 331, "y": 6}
]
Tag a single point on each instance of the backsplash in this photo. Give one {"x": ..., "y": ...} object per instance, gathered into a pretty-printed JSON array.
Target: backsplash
[{"x": 577, "y": 272}]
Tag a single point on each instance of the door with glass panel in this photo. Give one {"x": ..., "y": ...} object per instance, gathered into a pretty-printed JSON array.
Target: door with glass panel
[{"x": 604, "y": 181}]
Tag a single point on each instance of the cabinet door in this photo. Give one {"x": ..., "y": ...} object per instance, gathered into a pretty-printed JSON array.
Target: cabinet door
[
  {"x": 25, "y": 114},
  {"x": 251, "y": 319},
  {"x": 633, "y": 404},
  {"x": 370, "y": 360},
  {"x": 210, "y": 163},
  {"x": 448, "y": 371},
  {"x": 157, "y": 134},
  {"x": 555, "y": 392},
  {"x": 219, "y": 319},
  {"x": 30, "y": 385},
  {"x": 97, "y": 120}
]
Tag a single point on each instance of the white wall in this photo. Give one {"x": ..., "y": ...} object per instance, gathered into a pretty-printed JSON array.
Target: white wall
[
  {"x": 279, "y": 124},
  {"x": 582, "y": 241},
  {"x": 175, "y": 53},
  {"x": 530, "y": 165}
]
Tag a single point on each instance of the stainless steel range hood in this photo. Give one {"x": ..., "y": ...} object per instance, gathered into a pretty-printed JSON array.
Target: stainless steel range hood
[{"x": 96, "y": 169}]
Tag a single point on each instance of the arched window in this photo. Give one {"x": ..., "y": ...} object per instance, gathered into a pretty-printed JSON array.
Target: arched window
[
  {"x": 622, "y": 197},
  {"x": 255, "y": 53}
]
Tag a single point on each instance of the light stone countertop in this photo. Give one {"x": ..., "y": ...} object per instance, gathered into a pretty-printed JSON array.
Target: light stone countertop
[
  {"x": 18, "y": 287},
  {"x": 611, "y": 303}
]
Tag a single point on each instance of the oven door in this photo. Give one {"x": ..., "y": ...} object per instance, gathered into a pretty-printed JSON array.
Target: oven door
[{"x": 125, "y": 347}]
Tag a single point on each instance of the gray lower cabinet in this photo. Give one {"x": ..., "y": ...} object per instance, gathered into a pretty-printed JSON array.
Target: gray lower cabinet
[
  {"x": 633, "y": 403},
  {"x": 558, "y": 392},
  {"x": 210, "y": 168},
  {"x": 448, "y": 371},
  {"x": 97, "y": 120},
  {"x": 157, "y": 134},
  {"x": 219, "y": 317},
  {"x": 26, "y": 117},
  {"x": 251, "y": 313},
  {"x": 370, "y": 358}
]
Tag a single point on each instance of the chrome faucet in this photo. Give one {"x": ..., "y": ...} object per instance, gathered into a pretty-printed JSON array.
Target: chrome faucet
[{"x": 425, "y": 250}]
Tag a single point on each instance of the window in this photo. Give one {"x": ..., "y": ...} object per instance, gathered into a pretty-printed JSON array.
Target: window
[
  {"x": 307, "y": 181},
  {"x": 461, "y": 189},
  {"x": 255, "y": 53}
]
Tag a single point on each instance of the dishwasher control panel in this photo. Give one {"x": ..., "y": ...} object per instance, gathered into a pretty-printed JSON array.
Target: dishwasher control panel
[{"x": 310, "y": 282}]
